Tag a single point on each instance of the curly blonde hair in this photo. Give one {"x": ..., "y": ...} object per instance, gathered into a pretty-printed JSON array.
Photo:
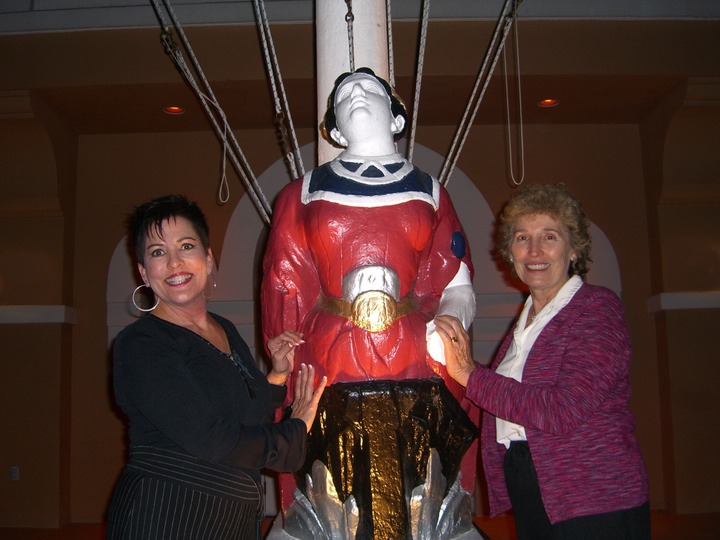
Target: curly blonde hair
[{"x": 553, "y": 200}]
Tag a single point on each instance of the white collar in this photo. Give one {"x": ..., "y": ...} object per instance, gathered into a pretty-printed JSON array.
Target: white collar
[{"x": 559, "y": 301}]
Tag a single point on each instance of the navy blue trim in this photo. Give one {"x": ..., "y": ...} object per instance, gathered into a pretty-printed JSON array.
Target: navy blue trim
[{"x": 324, "y": 179}]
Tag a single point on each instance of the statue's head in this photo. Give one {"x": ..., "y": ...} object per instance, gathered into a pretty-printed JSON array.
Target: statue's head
[{"x": 397, "y": 107}]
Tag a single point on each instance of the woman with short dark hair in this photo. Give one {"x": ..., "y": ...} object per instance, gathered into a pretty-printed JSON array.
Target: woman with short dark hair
[{"x": 200, "y": 411}]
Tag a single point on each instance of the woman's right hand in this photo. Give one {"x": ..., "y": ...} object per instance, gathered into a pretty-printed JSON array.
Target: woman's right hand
[
  {"x": 457, "y": 348},
  {"x": 306, "y": 398},
  {"x": 282, "y": 351}
]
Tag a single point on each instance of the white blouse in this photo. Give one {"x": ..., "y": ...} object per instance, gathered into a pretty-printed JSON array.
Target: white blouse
[{"x": 524, "y": 337}]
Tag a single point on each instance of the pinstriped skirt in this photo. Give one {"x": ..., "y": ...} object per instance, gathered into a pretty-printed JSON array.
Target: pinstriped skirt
[{"x": 165, "y": 495}]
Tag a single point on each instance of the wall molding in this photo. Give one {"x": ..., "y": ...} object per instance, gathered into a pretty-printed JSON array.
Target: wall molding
[
  {"x": 684, "y": 300},
  {"x": 37, "y": 314}
]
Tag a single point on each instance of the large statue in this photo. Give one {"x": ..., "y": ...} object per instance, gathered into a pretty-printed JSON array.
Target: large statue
[{"x": 363, "y": 253}]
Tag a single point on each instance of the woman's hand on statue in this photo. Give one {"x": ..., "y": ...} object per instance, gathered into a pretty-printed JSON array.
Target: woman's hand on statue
[
  {"x": 456, "y": 341},
  {"x": 306, "y": 399},
  {"x": 282, "y": 351}
]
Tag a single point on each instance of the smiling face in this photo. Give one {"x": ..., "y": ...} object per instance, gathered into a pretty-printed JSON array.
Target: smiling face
[
  {"x": 176, "y": 266},
  {"x": 541, "y": 255},
  {"x": 363, "y": 113}
]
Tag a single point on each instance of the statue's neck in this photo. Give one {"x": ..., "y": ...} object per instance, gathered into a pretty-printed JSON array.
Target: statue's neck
[
  {"x": 372, "y": 147},
  {"x": 382, "y": 158}
]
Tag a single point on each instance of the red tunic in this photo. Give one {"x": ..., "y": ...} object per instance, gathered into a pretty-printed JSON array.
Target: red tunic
[
  {"x": 326, "y": 225},
  {"x": 313, "y": 245}
]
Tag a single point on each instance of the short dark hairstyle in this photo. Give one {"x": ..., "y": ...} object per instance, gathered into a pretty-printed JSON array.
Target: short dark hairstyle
[
  {"x": 553, "y": 200},
  {"x": 397, "y": 107},
  {"x": 150, "y": 216}
]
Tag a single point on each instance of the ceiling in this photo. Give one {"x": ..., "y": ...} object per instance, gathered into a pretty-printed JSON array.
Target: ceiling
[
  {"x": 61, "y": 15},
  {"x": 100, "y": 65}
]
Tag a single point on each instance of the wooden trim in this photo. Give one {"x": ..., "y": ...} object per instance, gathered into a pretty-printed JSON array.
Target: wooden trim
[
  {"x": 684, "y": 300},
  {"x": 37, "y": 314}
]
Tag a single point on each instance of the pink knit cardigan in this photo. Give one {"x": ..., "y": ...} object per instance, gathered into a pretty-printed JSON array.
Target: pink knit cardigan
[{"x": 574, "y": 405}]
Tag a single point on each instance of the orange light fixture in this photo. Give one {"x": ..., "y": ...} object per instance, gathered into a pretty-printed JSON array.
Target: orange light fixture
[
  {"x": 174, "y": 109},
  {"x": 548, "y": 102}
]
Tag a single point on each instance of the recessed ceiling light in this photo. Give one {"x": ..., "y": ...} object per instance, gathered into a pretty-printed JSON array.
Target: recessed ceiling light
[
  {"x": 548, "y": 102},
  {"x": 174, "y": 109}
]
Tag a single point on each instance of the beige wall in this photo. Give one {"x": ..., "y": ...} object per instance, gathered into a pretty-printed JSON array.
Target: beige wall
[
  {"x": 64, "y": 200},
  {"x": 32, "y": 358}
]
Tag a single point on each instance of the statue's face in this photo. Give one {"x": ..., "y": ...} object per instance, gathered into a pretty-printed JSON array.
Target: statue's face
[{"x": 362, "y": 108}]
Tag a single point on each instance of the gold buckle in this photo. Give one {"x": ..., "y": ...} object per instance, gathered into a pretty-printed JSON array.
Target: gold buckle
[{"x": 374, "y": 311}]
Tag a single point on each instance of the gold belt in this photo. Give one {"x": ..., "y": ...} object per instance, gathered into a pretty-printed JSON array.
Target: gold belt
[{"x": 372, "y": 310}]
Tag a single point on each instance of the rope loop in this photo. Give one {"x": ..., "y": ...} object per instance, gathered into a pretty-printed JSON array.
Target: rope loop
[
  {"x": 349, "y": 19},
  {"x": 418, "y": 76},
  {"x": 391, "y": 59},
  {"x": 492, "y": 55},
  {"x": 214, "y": 112},
  {"x": 168, "y": 42},
  {"x": 520, "y": 137},
  {"x": 283, "y": 118}
]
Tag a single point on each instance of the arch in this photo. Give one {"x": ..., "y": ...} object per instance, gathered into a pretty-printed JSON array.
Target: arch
[{"x": 239, "y": 272}]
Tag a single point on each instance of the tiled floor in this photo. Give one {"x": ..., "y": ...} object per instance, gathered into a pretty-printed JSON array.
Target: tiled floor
[{"x": 665, "y": 526}]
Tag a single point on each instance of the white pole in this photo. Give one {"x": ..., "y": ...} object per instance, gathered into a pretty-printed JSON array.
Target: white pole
[{"x": 333, "y": 50}]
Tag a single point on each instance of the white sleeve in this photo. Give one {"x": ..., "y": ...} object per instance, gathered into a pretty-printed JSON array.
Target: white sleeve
[{"x": 457, "y": 300}]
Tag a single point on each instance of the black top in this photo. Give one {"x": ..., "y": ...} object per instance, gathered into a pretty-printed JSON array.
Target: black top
[{"x": 181, "y": 393}]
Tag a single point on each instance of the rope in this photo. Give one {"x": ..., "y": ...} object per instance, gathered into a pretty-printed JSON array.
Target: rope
[
  {"x": 226, "y": 135},
  {"x": 283, "y": 117},
  {"x": 349, "y": 18},
  {"x": 418, "y": 77},
  {"x": 391, "y": 58},
  {"x": 504, "y": 23},
  {"x": 520, "y": 110}
]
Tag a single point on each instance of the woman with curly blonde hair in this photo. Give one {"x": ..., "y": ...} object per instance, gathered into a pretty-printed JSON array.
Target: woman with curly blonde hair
[{"x": 557, "y": 433}]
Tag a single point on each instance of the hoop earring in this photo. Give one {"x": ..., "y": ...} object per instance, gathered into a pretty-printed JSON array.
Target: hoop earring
[
  {"x": 214, "y": 286},
  {"x": 144, "y": 310}
]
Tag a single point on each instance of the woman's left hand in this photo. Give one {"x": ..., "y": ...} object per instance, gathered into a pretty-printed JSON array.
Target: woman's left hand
[
  {"x": 457, "y": 348},
  {"x": 306, "y": 398},
  {"x": 282, "y": 349}
]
